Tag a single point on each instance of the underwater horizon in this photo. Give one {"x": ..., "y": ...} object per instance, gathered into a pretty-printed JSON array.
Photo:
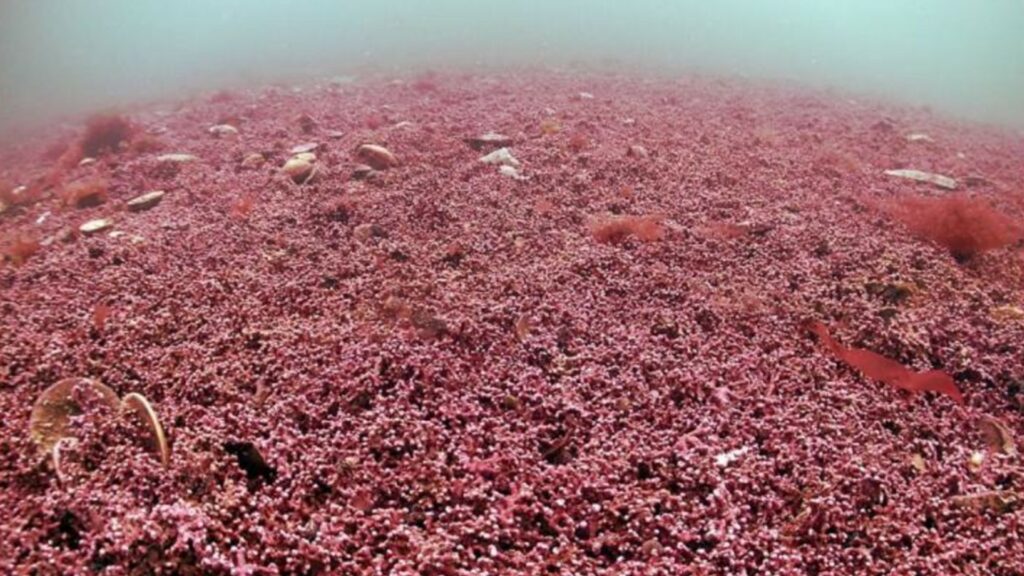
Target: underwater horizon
[
  {"x": 457, "y": 288},
  {"x": 61, "y": 57}
]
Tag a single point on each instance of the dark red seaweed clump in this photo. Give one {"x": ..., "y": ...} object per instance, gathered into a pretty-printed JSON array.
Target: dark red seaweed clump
[
  {"x": 966, "y": 226},
  {"x": 105, "y": 133}
]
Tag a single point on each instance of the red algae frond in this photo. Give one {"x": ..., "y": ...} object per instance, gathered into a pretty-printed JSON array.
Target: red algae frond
[
  {"x": 617, "y": 229},
  {"x": 100, "y": 314},
  {"x": 85, "y": 193},
  {"x": 105, "y": 133},
  {"x": 20, "y": 249},
  {"x": 878, "y": 367},
  {"x": 966, "y": 226}
]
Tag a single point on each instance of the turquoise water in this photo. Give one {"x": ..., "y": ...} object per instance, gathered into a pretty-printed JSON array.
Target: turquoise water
[{"x": 961, "y": 57}]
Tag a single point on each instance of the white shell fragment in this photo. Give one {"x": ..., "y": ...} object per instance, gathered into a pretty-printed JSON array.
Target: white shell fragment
[
  {"x": 223, "y": 131},
  {"x": 307, "y": 147},
  {"x": 94, "y": 226},
  {"x": 501, "y": 156},
  {"x": 936, "y": 179},
  {"x": 731, "y": 456},
  {"x": 919, "y": 138},
  {"x": 146, "y": 201},
  {"x": 511, "y": 172},
  {"x": 176, "y": 158}
]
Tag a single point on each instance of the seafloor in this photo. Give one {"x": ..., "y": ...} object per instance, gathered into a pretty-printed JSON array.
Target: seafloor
[{"x": 440, "y": 368}]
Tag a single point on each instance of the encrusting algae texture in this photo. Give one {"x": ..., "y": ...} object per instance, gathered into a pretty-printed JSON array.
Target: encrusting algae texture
[{"x": 512, "y": 324}]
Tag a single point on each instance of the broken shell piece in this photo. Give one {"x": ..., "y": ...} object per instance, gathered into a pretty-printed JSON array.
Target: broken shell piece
[
  {"x": 995, "y": 500},
  {"x": 364, "y": 232},
  {"x": 55, "y": 455},
  {"x": 917, "y": 461},
  {"x": 936, "y": 179},
  {"x": 511, "y": 172},
  {"x": 361, "y": 171},
  {"x": 307, "y": 147},
  {"x": 636, "y": 151},
  {"x": 378, "y": 157},
  {"x": 141, "y": 407},
  {"x": 997, "y": 435},
  {"x": 86, "y": 161},
  {"x": 976, "y": 460},
  {"x": 52, "y": 412},
  {"x": 223, "y": 131},
  {"x": 919, "y": 138},
  {"x": 489, "y": 140},
  {"x": 731, "y": 456},
  {"x": 94, "y": 226},
  {"x": 146, "y": 201},
  {"x": 501, "y": 156},
  {"x": 254, "y": 160},
  {"x": 176, "y": 158},
  {"x": 1007, "y": 313}
]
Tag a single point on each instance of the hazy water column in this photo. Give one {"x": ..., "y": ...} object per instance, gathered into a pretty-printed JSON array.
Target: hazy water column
[{"x": 962, "y": 56}]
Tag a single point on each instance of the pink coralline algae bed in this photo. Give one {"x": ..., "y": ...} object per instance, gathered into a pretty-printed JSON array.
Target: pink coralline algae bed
[{"x": 668, "y": 326}]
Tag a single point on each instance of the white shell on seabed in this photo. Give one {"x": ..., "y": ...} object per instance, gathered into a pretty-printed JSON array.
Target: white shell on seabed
[
  {"x": 501, "y": 156},
  {"x": 919, "y": 176},
  {"x": 94, "y": 226},
  {"x": 176, "y": 158}
]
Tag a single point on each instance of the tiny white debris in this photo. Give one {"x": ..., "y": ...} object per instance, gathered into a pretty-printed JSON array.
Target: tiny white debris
[
  {"x": 501, "y": 156},
  {"x": 919, "y": 138},
  {"x": 586, "y": 96},
  {"x": 402, "y": 124},
  {"x": 223, "y": 130},
  {"x": 116, "y": 233},
  {"x": 510, "y": 172},
  {"x": 86, "y": 161},
  {"x": 42, "y": 217},
  {"x": 961, "y": 155},
  {"x": 177, "y": 158},
  {"x": 94, "y": 226},
  {"x": 936, "y": 179},
  {"x": 731, "y": 456}
]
